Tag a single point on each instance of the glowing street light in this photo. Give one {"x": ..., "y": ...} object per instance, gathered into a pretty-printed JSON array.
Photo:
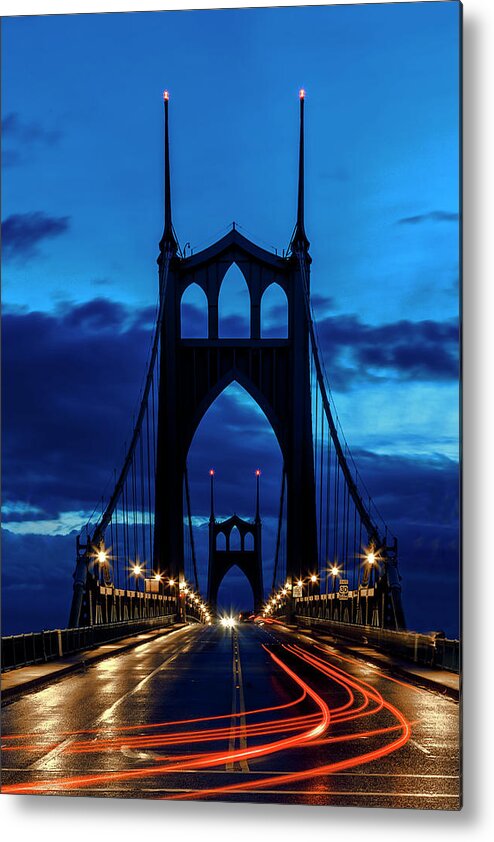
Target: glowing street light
[
  {"x": 102, "y": 556},
  {"x": 137, "y": 570},
  {"x": 313, "y": 578},
  {"x": 300, "y": 584},
  {"x": 334, "y": 571},
  {"x": 158, "y": 577},
  {"x": 228, "y": 622},
  {"x": 171, "y": 582},
  {"x": 371, "y": 558}
]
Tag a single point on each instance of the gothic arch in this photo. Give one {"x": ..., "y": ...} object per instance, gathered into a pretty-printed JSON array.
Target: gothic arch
[
  {"x": 234, "y": 568},
  {"x": 274, "y": 298},
  {"x": 257, "y": 396},
  {"x": 193, "y": 324},
  {"x": 234, "y": 319}
]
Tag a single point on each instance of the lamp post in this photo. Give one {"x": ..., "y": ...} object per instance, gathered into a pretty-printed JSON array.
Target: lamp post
[
  {"x": 334, "y": 573},
  {"x": 137, "y": 572},
  {"x": 371, "y": 560}
]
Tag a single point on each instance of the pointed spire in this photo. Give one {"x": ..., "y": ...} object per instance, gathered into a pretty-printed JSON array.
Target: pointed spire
[
  {"x": 299, "y": 235},
  {"x": 168, "y": 232},
  {"x": 258, "y": 482},
  {"x": 211, "y": 516}
]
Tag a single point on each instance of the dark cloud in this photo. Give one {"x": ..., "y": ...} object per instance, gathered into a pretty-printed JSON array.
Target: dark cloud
[
  {"x": 432, "y": 216},
  {"x": 20, "y": 138},
  {"x": 101, "y": 282},
  {"x": 36, "y": 581},
  {"x": 425, "y": 350},
  {"x": 22, "y": 233},
  {"x": 322, "y": 304},
  {"x": 70, "y": 384}
]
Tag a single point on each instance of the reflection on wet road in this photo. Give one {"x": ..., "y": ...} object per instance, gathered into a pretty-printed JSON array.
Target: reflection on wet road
[{"x": 255, "y": 713}]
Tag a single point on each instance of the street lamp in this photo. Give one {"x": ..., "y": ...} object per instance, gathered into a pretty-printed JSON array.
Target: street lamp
[
  {"x": 158, "y": 578},
  {"x": 371, "y": 559},
  {"x": 137, "y": 572},
  {"x": 334, "y": 573}
]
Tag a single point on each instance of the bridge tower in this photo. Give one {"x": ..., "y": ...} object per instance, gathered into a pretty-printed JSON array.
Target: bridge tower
[
  {"x": 275, "y": 372},
  {"x": 248, "y": 559}
]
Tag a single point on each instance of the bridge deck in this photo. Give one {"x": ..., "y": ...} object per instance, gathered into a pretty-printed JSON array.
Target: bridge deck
[{"x": 276, "y": 723}]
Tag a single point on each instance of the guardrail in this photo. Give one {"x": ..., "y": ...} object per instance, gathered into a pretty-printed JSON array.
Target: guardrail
[
  {"x": 433, "y": 649},
  {"x": 21, "y": 650}
]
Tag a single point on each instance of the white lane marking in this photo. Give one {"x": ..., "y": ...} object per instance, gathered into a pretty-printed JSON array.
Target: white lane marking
[
  {"x": 52, "y": 755},
  {"x": 238, "y": 706},
  {"x": 244, "y": 765},
  {"x": 306, "y": 792},
  {"x": 417, "y": 745},
  {"x": 258, "y": 773}
]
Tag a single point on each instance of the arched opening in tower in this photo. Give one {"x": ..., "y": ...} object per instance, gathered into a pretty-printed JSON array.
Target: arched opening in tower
[
  {"x": 194, "y": 313},
  {"x": 235, "y": 439},
  {"x": 274, "y": 313},
  {"x": 234, "y": 306},
  {"x": 235, "y": 593}
]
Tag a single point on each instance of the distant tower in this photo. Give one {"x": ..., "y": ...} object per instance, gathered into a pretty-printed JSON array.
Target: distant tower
[{"x": 248, "y": 560}]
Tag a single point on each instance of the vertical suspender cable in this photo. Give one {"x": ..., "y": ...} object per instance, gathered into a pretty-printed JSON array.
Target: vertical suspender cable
[{"x": 191, "y": 531}]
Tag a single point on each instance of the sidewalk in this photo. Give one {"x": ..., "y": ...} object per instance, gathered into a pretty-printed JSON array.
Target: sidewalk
[
  {"x": 24, "y": 679},
  {"x": 442, "y": 681}
]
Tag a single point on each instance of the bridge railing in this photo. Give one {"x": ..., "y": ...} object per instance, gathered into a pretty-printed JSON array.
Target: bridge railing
[
  {"x": 428, "y": 649},
  {"x": 39, "y": 647}
]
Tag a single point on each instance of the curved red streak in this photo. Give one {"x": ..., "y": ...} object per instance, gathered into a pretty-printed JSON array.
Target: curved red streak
[
  {"x": 150, "y": 725},
  {"x": 330, "y": 671},
  {"x": 216, "y": 759},
  {"x": 296, "y": 723},
  {"x": 205, "y": 760},
  {"x": 317, "y": 771}
]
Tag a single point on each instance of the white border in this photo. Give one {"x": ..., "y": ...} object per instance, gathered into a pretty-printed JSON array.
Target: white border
[{"x": 80, "y": 819}]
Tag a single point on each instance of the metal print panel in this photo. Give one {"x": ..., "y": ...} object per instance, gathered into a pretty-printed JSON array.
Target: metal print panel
[{"x": 231, "y": 511}]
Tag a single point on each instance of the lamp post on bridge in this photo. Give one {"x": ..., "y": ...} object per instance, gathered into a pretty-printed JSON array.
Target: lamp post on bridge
[{"x": 335, "y": 571}]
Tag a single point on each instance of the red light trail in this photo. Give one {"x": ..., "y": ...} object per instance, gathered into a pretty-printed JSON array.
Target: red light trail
[{"x": 283, "y": 733}]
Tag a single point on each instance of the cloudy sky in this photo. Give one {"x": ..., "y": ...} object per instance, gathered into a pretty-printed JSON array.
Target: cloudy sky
[{"x": 82, "y": 216}]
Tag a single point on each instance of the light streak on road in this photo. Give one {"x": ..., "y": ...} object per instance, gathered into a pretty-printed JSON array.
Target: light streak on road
[{"x": 307, "y": 720}]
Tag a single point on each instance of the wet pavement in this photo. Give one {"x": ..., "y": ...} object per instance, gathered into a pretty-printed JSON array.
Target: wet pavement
[{"x": 257, "y": 713}]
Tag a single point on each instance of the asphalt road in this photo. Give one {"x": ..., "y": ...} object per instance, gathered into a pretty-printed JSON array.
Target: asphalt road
[{"x": 250, "y": 714}]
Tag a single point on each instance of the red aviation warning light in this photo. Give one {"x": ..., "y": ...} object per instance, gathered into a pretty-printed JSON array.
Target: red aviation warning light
[
  {"x": 258, "y": 473},
  {"x": 301, "y": 93},
  {"x": 166, "y": 96},
  {"x": 211, "y": 472}
]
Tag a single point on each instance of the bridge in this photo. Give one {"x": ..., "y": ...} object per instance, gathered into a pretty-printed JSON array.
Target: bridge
[{"x": 277, "y": 704}]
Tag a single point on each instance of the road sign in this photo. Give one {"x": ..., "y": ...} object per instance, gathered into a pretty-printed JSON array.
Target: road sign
[
  {"x": 152, "y": 585},
  {"x": 343, "y": 589},
  {"x": 297, "y": 592}
]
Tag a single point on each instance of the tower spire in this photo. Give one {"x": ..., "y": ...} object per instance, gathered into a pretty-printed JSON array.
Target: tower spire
[
  {"x": 211, "y": 516},
  {"x": 299, "y": 235},
  {"x": 168, "y": 232},
  {"x": 258, "y": 481}
]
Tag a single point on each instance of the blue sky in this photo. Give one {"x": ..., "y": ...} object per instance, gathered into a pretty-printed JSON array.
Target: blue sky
[{"x": 82, "y": 216}]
